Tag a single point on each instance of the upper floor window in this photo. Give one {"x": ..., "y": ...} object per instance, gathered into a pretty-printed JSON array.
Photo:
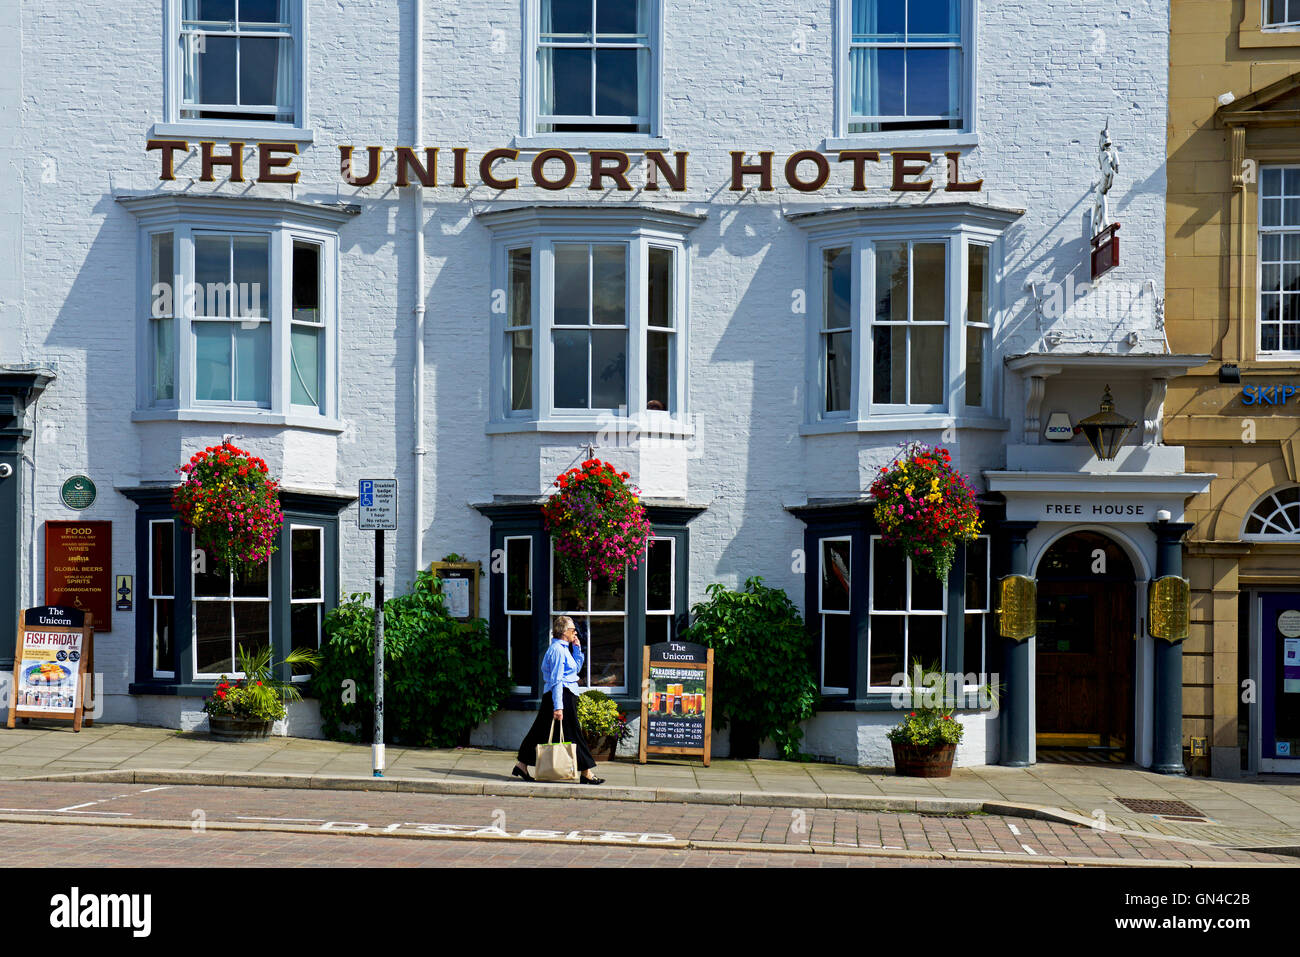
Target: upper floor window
[
  {"x": 905, "y": 66},
  {"x": 1282, "y": 13},
  {"x": 1275, "y": 516},
  {"x": 235, "y": 67},
  {"x": 593, "y": 67},
  {"x": 1279, "y": 261},
  {"x": 238, "y": 311},
  {"x": 593, "y": 324}
]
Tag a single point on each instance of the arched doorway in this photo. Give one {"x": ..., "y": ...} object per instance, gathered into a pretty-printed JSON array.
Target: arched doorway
[{"x": 1085, "y": 650}]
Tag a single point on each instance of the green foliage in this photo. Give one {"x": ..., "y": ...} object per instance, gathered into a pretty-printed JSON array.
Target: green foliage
[
  {"x": 761, "y": 653},
  {"x": 599, "y": 717},
  {"x": 930, "y": 697},
  {"x": 259, "y": 694},
  {"x": 441, "y": 679}
]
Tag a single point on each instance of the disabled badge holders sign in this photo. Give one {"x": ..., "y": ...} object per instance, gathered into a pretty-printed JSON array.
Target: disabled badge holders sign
[
  {"x": 676, "y": 700},
  {"x": 52, "y": 661}
]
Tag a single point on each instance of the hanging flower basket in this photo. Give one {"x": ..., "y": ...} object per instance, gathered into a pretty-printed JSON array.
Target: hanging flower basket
[
  {"x": 231, "y": 505},
  {"x": 925, "y": 507},
  {"x": 597, "y": 524}
]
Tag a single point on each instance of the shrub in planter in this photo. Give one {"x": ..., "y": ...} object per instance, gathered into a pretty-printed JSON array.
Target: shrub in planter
[
  {"x": 762, "y": 680},
  {"x": 442, "y": 677},
  {"x": 259, "y": 695},
  {"x": 600, "y": 719}
]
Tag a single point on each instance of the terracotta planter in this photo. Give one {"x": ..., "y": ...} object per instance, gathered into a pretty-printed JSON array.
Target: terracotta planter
[
  {"x": 602, "y": 746},
  {"x": 229, "y": 728},
  {"x": 923, "y": 760}
]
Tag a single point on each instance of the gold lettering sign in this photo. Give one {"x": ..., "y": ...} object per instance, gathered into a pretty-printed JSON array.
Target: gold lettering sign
[
  {"x": 1018, "y": 607},
  {"x": 1169, "y": 608}
]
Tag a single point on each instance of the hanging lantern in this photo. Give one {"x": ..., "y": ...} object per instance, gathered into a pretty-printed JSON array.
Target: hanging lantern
[{"x": 1105, "y": 430}]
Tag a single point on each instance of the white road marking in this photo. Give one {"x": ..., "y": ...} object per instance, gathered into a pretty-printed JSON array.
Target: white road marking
[
  {"x": 288, "y": 820},
  {"x": 73, "y": 807},
  {"x": 1014, "y": 830},
  {"x": 46, "y": 810},
  {"x": 151, "y": 790},
  {"x": 1029, "y": 849}
]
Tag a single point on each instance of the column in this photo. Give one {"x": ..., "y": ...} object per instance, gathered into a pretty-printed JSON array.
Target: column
[
  {"x": 1015, "y": 709},
  {"x": 1167, "y": 754}
]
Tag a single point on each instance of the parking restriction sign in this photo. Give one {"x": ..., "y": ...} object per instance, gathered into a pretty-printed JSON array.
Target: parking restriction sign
[{"x": 377, "y": 505}]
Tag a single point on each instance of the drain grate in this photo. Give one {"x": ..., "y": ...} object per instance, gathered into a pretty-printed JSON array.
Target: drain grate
[{"x": 1153, "y": 806}]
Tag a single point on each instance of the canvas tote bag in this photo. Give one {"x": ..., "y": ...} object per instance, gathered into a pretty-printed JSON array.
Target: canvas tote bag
[{"x": 557, "y": 760}]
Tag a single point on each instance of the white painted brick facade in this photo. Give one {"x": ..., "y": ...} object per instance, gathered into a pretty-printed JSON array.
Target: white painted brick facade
[{"x": 91, "y": 88}]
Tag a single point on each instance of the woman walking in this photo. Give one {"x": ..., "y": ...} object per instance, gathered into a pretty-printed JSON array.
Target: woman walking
[{"x": 561, "y": 666}]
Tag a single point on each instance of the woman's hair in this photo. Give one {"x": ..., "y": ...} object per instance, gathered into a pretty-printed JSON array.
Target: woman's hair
[{"x": 562, "y": 624}]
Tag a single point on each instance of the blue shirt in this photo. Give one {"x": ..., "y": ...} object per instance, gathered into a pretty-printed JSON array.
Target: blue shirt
[{"x": 560, "y": 669}]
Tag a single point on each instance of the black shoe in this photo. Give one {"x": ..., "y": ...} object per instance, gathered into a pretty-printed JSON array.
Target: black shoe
[
  {"x": 520, "y": 774},
  {"x": 593, "y": 780}
]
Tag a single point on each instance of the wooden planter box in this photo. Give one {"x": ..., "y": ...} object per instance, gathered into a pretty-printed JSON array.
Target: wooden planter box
[
  {"x": 923, "y": 760},
  {"x": 230, "y": 728}
]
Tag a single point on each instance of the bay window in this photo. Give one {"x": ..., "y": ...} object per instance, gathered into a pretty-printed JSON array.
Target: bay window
[
  {"x": 592, "y": 318},
  {"x": 239, "y": 299}
]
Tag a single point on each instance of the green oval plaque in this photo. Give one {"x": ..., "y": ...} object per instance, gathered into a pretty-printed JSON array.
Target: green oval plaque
[{"x": 78, "y": 492}]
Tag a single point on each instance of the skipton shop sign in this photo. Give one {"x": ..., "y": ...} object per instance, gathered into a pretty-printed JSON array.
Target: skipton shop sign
[{"x": 555, "y": 169}]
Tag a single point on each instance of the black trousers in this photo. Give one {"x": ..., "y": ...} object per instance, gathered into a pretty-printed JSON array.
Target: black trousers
[{"x": 541, "y": 731}]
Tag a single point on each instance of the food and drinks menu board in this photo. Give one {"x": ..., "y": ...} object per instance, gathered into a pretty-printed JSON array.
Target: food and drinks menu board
[
  {"x": 50, "y": 664},
  {"x": 676, "y": 700}
]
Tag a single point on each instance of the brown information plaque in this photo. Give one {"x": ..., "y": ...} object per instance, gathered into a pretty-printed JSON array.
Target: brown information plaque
[{"x": 78, "y": 568}]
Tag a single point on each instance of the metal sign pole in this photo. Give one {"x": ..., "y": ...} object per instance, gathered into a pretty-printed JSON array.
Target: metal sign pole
[{"x": 379, "y": 655}]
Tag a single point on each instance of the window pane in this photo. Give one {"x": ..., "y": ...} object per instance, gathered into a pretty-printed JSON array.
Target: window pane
[
  {"x": 618, "y": 16},
  {"x": 213, "y": 582},
  {"x": 933, "y": 86},
  {"x": 837, "y": 283},
  {"x": 877, "y": 82},
  {"x": 306, "y": 563},
  {"x": 835, "y": 575},
  {"x": 212, "y": 638},
  {"x": 262, "y": 82},
  {"x": 927, "y": 591},
  {"x": 306, "y": 282},
  {"x": 304, "y": 629},
  {"x": 252, "y": 625},
  {"x": 212, "y": 361},
  {"x": 162, "y": 270},
  {"x": 1272, "y": 212},
  {"x": 253, "y": 364},
  {"x": 888, "y": 578},
  {"x": 212, "y": 78},
  {"x": 571, "y": 368},
  {"x": 886, "y": 648},
  {"x": 521, "y": 650},
  {"x": 521, "y": 370},
  {"x": 254, "y": 582},
  {"x": 212, "y": 275},
  {"x": 164, "y": 358},
  {"x": 603, "y": 598},
  {"x": 659, "y": 575},
  {"x": 609, "y": 284},
  {"x": 836, "y": 651},
  {"x": 566, "y": 16},
  {"x": 565, "y": 599},
  {"x": 661, "y": 287},
  {"x": 571, "y": 286},
  {"x": 973, "y": 645},
  {"x": 307, "y": 361},
  {"x": 1271, "y": 249},
  {"x": 933, "y": 20},
  {"x": 977, "y": 283},
  {"x": 608, "y": 369},
  {"x": 521, "y": 287},
  {"x": 925, "y": 640},
  {"x": 891, "y": 282},
  {"x": 975, "y": 348},
  {"x": 928, "y": 377},
  {"x": 658, "y": 371},
  {"x": 929, "y": 282},
  {"x": 211, "y": 10},
  {"x": 565, "y": 81},
  {"x": 164, "y": 627},
  {"x": 889, "y": 369},
  {"x": 162, "y": 569},
  {"x": 977, "y": 575},
  {"x": 607, "y": 659},
  {"x": 617, "y": 87},
  {"x": 839, "y": 370},
  {"x": 519, "y": 575},
  {"x": 252, "y": 275},
  {"x": 1277, "y": 11},
  {"x": 260, "y": 11}
]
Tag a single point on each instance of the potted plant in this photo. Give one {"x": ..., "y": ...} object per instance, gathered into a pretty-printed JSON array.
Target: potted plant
[
  {"x": 603, "y": 724},
  {"x": 925, "y": 741},
  {"x": 926, "y": 507},
  {"x": 597, "y": 523},
  {"x": 231, "y": 504},
  {"x": 243, "y": 708}
]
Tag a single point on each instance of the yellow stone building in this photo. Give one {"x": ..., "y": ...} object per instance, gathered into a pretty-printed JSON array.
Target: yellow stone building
[{"x": 1233, "y": 291}]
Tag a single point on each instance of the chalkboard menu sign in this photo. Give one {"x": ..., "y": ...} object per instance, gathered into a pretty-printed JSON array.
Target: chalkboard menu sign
[
  {"x": 52, "y": 663},
  {"x": 677, "y": 700}
]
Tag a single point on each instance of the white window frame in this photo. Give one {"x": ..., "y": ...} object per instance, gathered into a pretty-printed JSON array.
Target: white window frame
[
  {"x": 1270, "y": 518},
  {"x": 229, "y": 600},
  {"x": 283, "y": 222},
  {"x": 530, "y": 117},
  {"x": 174, "y": 126},
  {"x": 1280, "y": 354},
  {"x": 671, "y": 612},
  {"x": 906, "y": 613},
  {"x": 822, "y": 611},
  {"x": 319, "y": 601},
  {"x": 1293, "y": 14},
  {"x": 545, "y": 228},
  {"x": 960, "y": 227},
  {"x": 841, "y": 138},
  {"x": 154, "y": 596},
  {"x": 523, "y": 614},
  {"x": 985, "y": 614},
  {"x": 587, "y": 616}
]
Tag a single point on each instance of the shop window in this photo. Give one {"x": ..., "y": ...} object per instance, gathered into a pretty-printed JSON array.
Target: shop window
[
  {"x": 306, "y": 591},
  {"x": 592, "y": 326},
  {"x": 908, "y": 613},
  {"x": 600, "y": 614},
  {"x": 835, "y": 613},
  {"x": 660, "y": 590},
  {"x": 595, "y": 67},
  {"x": 975, "y": 636},
  {"x": 231, "y": 610},
  {"x": 518, "y": 604},
  {"x": 905, "y": 67},
  {"x": 162, "y": 595},
  {"x": 239, "y": 323},
  {"x": 1281, "y": 13},
  {"x": 1275, "y": 516},
  {"x": 1279, "y": 262},
  {"x": 235, "y": 68}
]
